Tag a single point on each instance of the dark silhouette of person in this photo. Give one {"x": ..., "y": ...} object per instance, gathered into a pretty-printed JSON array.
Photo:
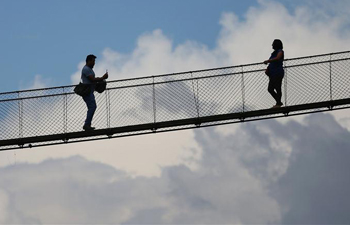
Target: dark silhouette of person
[
  {"x": 275, "y": 72},
  {"x": 88, "y": 77}
]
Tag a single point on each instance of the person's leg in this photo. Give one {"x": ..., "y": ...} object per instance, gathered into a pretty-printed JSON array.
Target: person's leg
[
  {"x": 271, "y": 88},
  {"x": 278, "y": 88},
  {"x": 91, "y": 105}
]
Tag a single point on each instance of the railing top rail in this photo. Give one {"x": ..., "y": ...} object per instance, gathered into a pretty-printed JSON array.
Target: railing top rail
[
  {"x": 170, "y": 81},
  {"x": 173, "y": 74}
]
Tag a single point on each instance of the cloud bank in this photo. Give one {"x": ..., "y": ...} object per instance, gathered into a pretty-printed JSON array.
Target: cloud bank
[
  {"x": 261, "y": 172},
  {"x": 305, "y": 30},
  {"x": 265, "y": 173}
]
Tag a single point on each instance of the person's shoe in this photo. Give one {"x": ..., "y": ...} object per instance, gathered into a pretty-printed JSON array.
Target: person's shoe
[
  {"x": 88, "y": 128},
  {"x": 277, "y": 106}
]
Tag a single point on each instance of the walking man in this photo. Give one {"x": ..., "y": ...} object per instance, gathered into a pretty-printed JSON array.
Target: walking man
[{"x": 88, "y": 77}]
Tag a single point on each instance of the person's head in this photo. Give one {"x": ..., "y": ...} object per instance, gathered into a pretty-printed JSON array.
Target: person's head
[
  {"x": 90, "y": 60},
  {"x": 277, "y": 44}
]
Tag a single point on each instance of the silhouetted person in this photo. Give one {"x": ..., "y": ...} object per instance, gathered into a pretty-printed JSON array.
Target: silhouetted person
[
  {"x": 88, "y": 77},
  {"x": 275, "y": 72}
]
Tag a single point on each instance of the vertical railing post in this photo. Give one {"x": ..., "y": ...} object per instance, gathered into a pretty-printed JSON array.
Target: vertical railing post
[
  {"x": 20, "y": 119},
  {"x": 19, "y": 116},
  {"x": 195, "y": 97},
  {"x": 243, "y": 91},
  {"x": 330, "y": 77},
  {"x": 65, "y": 114},
  {"x": 108, "y": 112},
  {"x": 154, "y": 103},
  {"x": 285, "y": 85},
  {"x": 109, "y": 108},
  {"x": 65, "y": 111}
]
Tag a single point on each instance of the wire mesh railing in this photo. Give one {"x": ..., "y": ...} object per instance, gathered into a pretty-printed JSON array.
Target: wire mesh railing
[{"x": 172, "y": 97}]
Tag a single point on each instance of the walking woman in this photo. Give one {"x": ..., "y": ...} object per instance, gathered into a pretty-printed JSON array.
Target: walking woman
[{"x": 275, "y": 72}]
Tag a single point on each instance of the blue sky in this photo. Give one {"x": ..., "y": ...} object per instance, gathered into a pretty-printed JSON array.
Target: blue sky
[
  {"x": 50, "y": 37},
  {"x": 267, "y": 172}
]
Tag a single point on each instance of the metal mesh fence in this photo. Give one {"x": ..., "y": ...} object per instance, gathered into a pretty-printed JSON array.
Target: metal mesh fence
[{"x": 172, "y": 97}]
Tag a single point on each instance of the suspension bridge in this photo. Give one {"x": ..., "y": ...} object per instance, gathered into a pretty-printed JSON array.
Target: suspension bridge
[{"x": 177, "y": 101}]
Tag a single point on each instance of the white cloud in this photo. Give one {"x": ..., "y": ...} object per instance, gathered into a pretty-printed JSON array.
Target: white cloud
[
  {"x": 231, "y": 176},
  {"x": 243, "y": 178},
  {"x": 306, "y": 30},
  {"x": 260, "y": 172},
  {"x": 75, "y": 190},
  {"x": 3, "y": 206},
  {"x": 315, "y": 187},
  {"x": 154, "y": 54},
  {"x": 139, "y": 155},
  {"x": 39, "y": 82}
]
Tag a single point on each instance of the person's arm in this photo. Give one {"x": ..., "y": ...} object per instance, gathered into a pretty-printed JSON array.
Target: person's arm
[
  {"x": 96, "y": 79},
  {"x": 277, "y": 58}
]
